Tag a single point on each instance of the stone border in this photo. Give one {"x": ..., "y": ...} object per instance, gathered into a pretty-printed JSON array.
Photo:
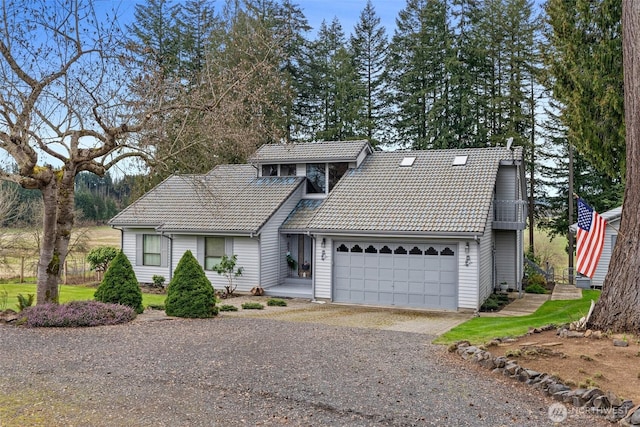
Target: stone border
[{"x": 592, "y": 400}]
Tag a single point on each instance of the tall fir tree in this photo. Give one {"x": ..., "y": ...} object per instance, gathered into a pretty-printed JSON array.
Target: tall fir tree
[
  {"x": 584, "y": 62},
  {"x": 417, "y": 75},
  {"x": 332, "y": 94},
  {"x": 369, "y": 46},
  {"x": 156, "y": 36}
]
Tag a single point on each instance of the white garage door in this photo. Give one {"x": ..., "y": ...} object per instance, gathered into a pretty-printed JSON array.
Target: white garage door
[{"x": 405, "y": 275}]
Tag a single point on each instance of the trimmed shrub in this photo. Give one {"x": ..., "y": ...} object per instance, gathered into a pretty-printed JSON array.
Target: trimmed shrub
[
  {"x": 537, "y": 279},
  {"x": 252, "y": 306},
  {"x": 190, "y": 293},
  {"x": 535, "y": 289},
  {"x": 276, "y": 302},
  {"x": 228, "y": 307},
  {"x": 120, "y": 285},
  {"x": 76, "y": 314}
]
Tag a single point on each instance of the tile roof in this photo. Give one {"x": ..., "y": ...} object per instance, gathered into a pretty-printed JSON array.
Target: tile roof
[
  {"x": 228, "y": 199},
  {"x": 432, "y": 196},
  {"x": 309, "y": 152},
  {"x": 300, "y": 216}
]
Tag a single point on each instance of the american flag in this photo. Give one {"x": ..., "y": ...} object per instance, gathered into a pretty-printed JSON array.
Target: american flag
[{"x": 590, "y": 238}]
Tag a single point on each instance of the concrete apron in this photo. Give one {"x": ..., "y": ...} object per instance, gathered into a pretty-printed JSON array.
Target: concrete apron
[{"x": 432, "y": 323}]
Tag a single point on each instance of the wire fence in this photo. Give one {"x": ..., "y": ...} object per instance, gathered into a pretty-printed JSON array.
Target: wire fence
[{"x": 24, "y": 268}]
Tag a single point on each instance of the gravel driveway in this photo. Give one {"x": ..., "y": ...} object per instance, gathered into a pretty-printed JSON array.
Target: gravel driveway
[{"x": 238, "y": 370}]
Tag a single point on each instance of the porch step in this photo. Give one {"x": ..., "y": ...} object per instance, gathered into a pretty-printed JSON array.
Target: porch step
[{"x": 289, "y": 291}]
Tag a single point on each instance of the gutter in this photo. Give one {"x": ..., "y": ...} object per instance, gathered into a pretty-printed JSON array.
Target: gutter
[{"x": 387, "y": 233}]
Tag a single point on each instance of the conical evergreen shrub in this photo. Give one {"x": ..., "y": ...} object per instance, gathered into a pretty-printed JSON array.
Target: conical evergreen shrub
[
  {"x": 120, "y": 285},
  {"x": 190, "y": 293}
]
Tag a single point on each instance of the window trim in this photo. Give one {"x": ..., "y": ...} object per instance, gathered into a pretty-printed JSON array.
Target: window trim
[
  {"x": 207, "y": 257},
  {"x": 145, "y": 237}
]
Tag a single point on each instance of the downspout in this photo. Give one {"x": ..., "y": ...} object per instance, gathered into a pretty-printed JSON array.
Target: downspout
[
  {"x": 170, "y": 254},
  {"x": 121, "y": 237},
  {"x": 251, "y": 236},
  {"x": 315, "y": 267}
]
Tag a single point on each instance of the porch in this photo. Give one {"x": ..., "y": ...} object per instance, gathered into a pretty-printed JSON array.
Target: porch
[{"x": 291, "y": 288}]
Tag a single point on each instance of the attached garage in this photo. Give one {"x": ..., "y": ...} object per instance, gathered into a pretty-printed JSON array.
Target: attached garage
[{"x": 423, "y": 275}]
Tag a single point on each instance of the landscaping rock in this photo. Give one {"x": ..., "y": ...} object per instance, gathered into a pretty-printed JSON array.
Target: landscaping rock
[
  {"x": 618, "y": 412},
  {"x": 597, "y": 335},
  {"x": 620, "y": 343},
  {"x": 557, "y": 387},
  {"x": 591, "y": 393},
  {"x": 602, "y": 403},
  {"x": 635, "y": 417},
  {"x": 500, "y": 361},
  {"x": 574, "y": 334}
]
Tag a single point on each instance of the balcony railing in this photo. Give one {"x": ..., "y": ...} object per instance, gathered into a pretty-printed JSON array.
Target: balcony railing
[{"x": 509, "y": 214}]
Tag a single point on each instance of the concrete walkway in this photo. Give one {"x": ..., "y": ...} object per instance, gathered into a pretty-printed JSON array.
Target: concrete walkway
[
  {"x": 520, "y": 306},
  {"x": 565, "y": 292}
]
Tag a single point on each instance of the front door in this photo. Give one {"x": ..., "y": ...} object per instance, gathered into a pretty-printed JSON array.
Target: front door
[{"x": 304, "y": 256}]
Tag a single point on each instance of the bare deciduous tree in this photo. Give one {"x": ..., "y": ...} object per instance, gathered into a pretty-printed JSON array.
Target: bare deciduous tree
[{"x": 72, "y": 100}]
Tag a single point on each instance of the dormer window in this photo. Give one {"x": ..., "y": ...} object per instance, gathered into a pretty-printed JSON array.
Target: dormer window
[
  {"x": 269, "y": 170},
  {"x": 279, "y": 170},
  {"x": 316, "y": 178},
  {"x": 321, "y": 176},
  {"x": 288, "y": 170}
]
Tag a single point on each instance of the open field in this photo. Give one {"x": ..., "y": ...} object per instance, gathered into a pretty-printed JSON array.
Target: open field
[
  {"x": 19, "y": 251},
  {"x": 552, "y": 251}
]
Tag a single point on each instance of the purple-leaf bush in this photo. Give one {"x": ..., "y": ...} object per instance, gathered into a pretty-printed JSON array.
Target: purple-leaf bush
[{"x": 77, "y": 314}]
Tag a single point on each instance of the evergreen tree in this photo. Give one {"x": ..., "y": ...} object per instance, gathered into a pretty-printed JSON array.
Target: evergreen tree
[
  {"x": 584, "y": 61},
  {"x": 466, "y": 65},
  {"x": 196, "y": 22},
  {"x": 156, "y": 35},
  {"x": 333, "y": 94},
  {"x": 369, "y": 47},
  {"x": 418, "y": 77},
  {"x": 120, "y": 285},
  {"x": 190, "y": 293},
  {"x": 291, "y": 25}
]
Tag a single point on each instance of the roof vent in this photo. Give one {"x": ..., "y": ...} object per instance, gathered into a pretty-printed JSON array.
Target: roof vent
[
  {"x": 460, "y": 160},
  {"x": 407, "y": 162}
]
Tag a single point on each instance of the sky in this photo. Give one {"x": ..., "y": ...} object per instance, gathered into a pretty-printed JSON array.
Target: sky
[{"x": 347, "y": 11}]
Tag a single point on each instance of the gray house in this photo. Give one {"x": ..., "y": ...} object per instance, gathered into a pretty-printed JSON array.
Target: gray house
[
  {"x": 437, "y": 229},
  {"x": 612, "y": 217}
]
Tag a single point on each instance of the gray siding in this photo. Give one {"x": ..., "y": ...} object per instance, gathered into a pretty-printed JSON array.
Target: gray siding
[
  {"x": 468, "y": 275},
  {"x": 506, "y": 258},
  {"x": 607, "y": 250},
  {"x": 507, "y": 186},
  {"x": 144, "y": 274},
  {"x": 271, "y": 251},
  {"x": 485, "y": 272},
  {"x": 323, "y": 268}
]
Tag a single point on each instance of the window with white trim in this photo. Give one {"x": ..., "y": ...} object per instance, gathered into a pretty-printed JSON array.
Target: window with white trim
[
  {"x": 213, "y": 251},
  {"x": 151, "y": 250}
]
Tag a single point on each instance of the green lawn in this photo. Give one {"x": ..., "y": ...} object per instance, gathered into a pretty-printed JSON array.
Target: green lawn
[
  {"x": 482, "y": 329},
  {"x": 67, "y": 293}
]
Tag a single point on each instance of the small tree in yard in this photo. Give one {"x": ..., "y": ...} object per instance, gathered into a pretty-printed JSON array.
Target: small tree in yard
[
  {"x": 227, "y": 268},
  {"x": 100, "y": 257},
  {"x": 120, "y": 285},
  {"x": 190, "y": 293}
]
